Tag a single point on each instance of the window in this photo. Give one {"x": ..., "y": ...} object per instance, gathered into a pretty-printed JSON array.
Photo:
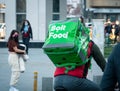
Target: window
[
  {"x": 19, "y": 20},
  {"x": 20, "y": 13},
  {"x": 56, "y": 6},
  {"x": 56, "y": 17},
  {"x": 21, "y": 5},
  {"x": 56, "y": 9}
]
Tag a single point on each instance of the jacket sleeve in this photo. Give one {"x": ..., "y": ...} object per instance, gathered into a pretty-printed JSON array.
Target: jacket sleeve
[
  {"x": 98, "y": 57},
  {"x": 31, "y": 34}
]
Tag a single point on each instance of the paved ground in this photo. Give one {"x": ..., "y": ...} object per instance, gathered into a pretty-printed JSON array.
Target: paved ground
[{"x": 38, "y": 62}]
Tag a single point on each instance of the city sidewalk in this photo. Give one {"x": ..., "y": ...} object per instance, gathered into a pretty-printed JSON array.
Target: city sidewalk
[{"x": 38, "y": 62}]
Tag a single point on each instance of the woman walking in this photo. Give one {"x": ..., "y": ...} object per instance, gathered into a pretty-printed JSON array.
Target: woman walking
[{"x": 13, "y": 59}]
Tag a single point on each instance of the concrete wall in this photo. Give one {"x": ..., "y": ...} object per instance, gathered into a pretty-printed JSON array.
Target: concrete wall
[
  {"x": 104, "y": 3},
  {"x": 49, "y": 6},
  {"x": 37, "y": 16},
  {"x": 33, "y": 17},
  {"x": 42, "y": 19},
  {"x": 2, "y": 1},
  {"x": 10, "y": 16},
  {"x": 63, "y": 9},
  {"x": 39, "y": 13}
]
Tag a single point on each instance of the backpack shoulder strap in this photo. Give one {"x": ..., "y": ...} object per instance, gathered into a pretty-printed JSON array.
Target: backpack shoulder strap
[{"x": 89, "y": 51}]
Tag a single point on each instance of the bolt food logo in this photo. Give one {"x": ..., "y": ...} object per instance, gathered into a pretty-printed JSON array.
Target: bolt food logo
[{"x": 58, "y": 32}]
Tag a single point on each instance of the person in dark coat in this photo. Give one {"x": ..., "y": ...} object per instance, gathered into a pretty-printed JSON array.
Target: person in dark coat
[
  {"x": 75, "y": 80},
  {"x": 26, "y": 31},
  {"x": 111, "y": 74},
  {"x": 117, "y": 29}
]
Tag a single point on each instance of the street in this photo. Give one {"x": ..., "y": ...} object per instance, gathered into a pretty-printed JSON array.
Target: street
[{"x": 38, "y": 62}]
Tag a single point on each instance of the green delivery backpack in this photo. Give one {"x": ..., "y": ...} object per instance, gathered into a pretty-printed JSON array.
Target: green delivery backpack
[{"x": 67, "y": 43}]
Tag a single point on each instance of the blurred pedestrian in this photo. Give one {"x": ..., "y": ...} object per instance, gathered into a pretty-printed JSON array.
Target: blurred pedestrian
[
  {"x": 108, "y": 31},
  {"x": 26, "y": 31},
  {"x": 13, "y": 58},
  {"x": 111, "y": 74},
  {"x": 117, "y": 29}
]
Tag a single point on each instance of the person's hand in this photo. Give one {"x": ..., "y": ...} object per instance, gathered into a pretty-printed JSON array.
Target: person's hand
[{"x": 24, "y": 52}]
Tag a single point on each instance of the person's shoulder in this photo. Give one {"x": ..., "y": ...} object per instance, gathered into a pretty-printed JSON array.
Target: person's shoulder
[
  {"x": 13, "y": 42},
  {"x": 10, "y": 41}
]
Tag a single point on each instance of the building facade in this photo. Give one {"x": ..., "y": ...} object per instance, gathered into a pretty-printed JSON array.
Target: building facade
[
  {"x": 103, "y": 9},
  {"x": 39, "y": 12}
]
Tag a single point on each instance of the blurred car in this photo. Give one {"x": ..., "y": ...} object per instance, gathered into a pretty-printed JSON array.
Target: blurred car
[{"x": 2, "y": 30}]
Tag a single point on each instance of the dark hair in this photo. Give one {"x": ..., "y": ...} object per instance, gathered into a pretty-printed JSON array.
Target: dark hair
[
  {"x": 11, "y": 36},
  {"x": 27, "y": 22},
  {"x": 13, "y": 31},
  {"x": 82, "y": 20},
  {"x": 23, "y": 25}
]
